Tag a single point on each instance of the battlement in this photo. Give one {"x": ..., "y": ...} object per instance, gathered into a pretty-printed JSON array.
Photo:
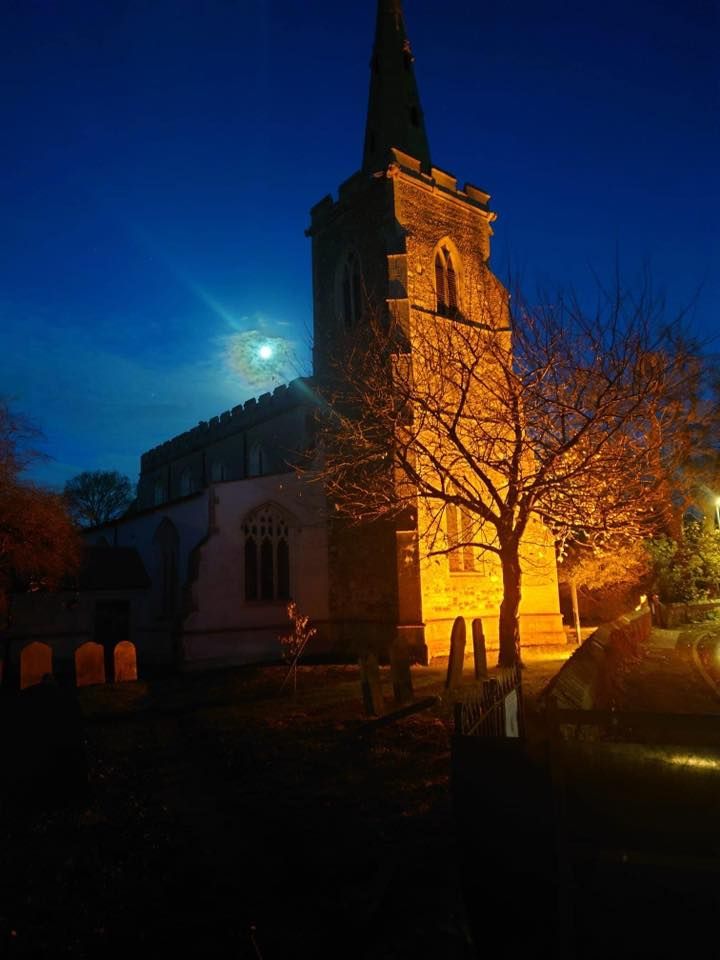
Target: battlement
[
  {"x": 239, "y": 418},
  {"x": 437, "y": 179}
]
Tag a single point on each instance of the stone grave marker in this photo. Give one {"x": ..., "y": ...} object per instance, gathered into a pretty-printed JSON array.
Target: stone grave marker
[
  {"x": 35, "y": 663},
  {"x": 89, "y": 664},
  {"x": 457, "y": 654},
  {"x": 370, "y": 683},
  {"x": 479, "y": 652},
  {"x": 125, "y": 661},
  {"x": 400, "y": 671}
]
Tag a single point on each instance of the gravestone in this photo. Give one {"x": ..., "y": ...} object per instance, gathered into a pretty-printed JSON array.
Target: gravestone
[
  {"x": 35, "y": 663},
  {"x": 400, "y": 671},
  {"x": 89, "y": 664},
  {"x": 370, "y": 685},
  {"x": 457, "y": 655},
  {"x": 479, "y": 652},
  {"x": 125, "y": 662}
]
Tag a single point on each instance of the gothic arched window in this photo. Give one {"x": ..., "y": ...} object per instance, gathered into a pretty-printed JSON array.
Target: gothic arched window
[
  {"x": 446, "y": 284},
  {"x": 267, "y": 555},
  {"x": 461, "y": 555},
  {"x": 186, "y": 482},
  {"x": 159, "y": 493},
  {"x": 352, "y": 297},
  {"x": 218, "y": 471}
]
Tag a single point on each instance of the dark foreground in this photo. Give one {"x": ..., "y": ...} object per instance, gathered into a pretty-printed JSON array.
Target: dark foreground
[{"x": 224, "y": 819}]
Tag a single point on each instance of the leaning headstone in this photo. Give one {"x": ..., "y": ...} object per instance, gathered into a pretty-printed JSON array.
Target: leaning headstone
[
  {"x": 400, "y": 671},
  {"x": 370, "y": 684},
  {"x": 479, "y": 652},
  {"x": 457, "y": 654}
]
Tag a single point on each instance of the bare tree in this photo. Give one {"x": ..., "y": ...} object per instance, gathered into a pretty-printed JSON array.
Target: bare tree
[
  {"x": 553, "y": 417},
  {"x": 97, "y": 496},
  {"x": 17, "y": 442}
]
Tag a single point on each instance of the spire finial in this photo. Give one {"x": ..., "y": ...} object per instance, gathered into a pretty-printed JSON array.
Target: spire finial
[{"x": 395, "y": 117}]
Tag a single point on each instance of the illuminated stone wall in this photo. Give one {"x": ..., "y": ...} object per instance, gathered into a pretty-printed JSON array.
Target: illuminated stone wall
[
  {"x": 395, "y": 222},
  {"x": 432, "y": 212},
  {"x": 447, "y": 594}
]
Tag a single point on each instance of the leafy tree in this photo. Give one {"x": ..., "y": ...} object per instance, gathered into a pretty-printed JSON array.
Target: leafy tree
[
  {"x": 38, "y": 542},
  {"x": 97, "y": 496},
  {"x": 686, "y": 569},
  {"x": 552, "y": 416}
]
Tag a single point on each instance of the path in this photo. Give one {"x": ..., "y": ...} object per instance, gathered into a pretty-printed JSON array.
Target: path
[{"x": 668, "y": 678}]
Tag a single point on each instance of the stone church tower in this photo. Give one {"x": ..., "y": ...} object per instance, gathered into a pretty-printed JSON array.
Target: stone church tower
[{"x": 403, "y": 236}]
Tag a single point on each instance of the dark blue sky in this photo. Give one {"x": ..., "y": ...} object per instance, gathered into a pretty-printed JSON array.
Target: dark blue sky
[{"x": 160, "y": 158}]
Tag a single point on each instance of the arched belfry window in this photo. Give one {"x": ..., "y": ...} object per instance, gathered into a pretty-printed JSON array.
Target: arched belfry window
[
  {"x": 267, "y": 555},
  {"x": 351, "y": 294},
  {"x": 446, "y": 282}
]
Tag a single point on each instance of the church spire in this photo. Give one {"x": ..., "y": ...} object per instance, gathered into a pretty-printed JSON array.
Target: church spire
[{"x": 395, "y": 117}]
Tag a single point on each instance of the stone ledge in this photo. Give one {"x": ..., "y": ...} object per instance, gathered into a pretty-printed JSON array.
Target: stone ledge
[{"x": 587, "y": 681}]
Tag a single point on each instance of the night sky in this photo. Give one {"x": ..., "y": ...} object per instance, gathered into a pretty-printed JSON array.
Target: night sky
[{"x": 159, "y": 159}]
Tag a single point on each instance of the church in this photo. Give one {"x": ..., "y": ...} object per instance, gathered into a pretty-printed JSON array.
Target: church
[{"x": 228, "y": 533}]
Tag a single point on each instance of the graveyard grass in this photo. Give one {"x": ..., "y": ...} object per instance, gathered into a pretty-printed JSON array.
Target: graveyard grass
[{"x": 227, "y": 818}]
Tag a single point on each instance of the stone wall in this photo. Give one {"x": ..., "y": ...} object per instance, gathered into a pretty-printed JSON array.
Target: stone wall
[
  {"x": 675, "y": 614},
  {"x": 589, "y": 678}
]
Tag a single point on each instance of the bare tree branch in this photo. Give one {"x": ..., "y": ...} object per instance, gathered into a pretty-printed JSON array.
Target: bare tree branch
[{"x": 578, "y": 421}]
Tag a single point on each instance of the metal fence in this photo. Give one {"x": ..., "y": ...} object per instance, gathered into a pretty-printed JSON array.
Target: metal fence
[{"x": 494, "y": 708}]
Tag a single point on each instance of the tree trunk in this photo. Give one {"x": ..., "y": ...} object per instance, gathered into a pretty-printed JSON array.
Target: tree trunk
[{"x": 510, "y": 608}]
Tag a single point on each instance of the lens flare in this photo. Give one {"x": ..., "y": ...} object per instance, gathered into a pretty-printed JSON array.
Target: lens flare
[{"x": 259, "y": 360}]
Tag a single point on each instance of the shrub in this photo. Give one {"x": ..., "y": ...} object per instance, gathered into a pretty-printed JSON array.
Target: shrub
[{"x": 688, "y": 569}]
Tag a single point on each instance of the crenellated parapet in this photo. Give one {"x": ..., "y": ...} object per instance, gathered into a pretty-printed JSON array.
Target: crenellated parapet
[
  {"x": 437, "y": 180},
  {"x": 239, "y": 419},
  {"x": 264, "y": 435}
]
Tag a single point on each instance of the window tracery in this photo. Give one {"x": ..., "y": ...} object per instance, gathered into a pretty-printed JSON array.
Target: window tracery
[
  {"x": 461, "y": 555},
  {"x": 267, "y": 555}
]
